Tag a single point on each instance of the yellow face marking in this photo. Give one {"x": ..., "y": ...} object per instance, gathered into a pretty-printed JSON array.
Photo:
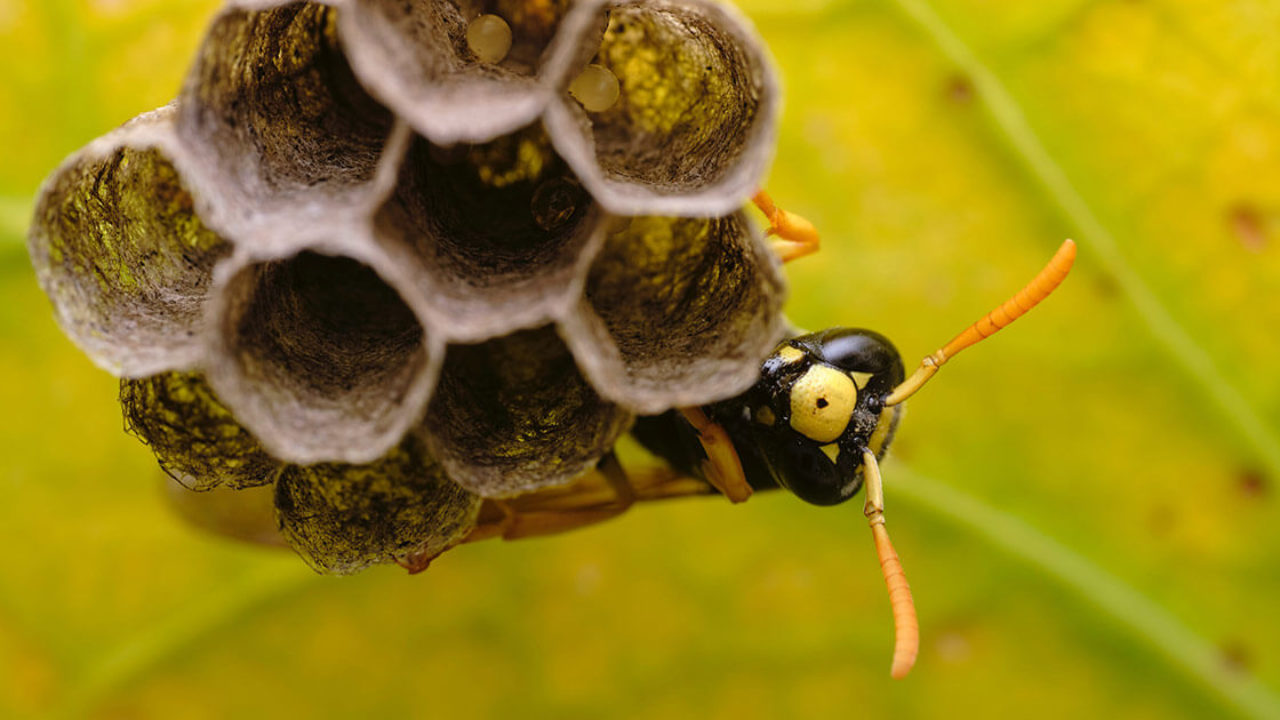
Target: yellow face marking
[
  {"x": 822, "y": 403},
  {"x": 876, "y": 442},
  {"x": 832, "y": 451},
  {"x": 765, "y": 416},
  {"x": 860, "y": 379},
  {"x": 790, "y": 355}
]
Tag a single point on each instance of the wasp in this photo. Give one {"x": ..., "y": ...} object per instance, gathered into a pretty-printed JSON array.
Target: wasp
[{"x": 816, "y": 423}]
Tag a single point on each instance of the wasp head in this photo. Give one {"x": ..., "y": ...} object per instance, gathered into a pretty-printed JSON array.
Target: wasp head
[{"x": 818, "y": 405}]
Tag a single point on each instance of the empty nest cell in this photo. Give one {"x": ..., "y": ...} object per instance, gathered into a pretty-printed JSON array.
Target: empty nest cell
[
  {"x": 120, "y": 250},
  {"x": 682, "y": 311},
  {"x": 275, "y": 115},
  {"x": 320, "y": 358},
  {"x": 497, "y": 232}
]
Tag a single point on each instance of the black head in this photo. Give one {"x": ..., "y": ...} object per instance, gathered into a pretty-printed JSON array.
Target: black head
[{"x": 818, "y": 404}]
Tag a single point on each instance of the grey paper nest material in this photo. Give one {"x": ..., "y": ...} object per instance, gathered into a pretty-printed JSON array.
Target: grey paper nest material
[
  {"x": 272, "y": 114},
  {"x": 415, "y": 57},
  {"x": 394, "y": 274},
  {"x": 320, "y": 356},
  {"x": 693, "y": 130},
  {"x": 515, "y": 414},
  {"x": 118, "y": 245},
  {"x": 195, "y": 438},
  {"x": 343, "y": 518},
  {"x": 498, "y": 233}
]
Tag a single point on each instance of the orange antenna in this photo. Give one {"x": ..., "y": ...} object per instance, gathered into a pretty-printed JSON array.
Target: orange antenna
[
  {"x": 1028, "y": 297},
  {"x": 906, "y": 628}
]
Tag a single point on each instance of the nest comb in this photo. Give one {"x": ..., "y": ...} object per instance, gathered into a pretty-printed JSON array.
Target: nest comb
[{"x": 359, "y": 261}]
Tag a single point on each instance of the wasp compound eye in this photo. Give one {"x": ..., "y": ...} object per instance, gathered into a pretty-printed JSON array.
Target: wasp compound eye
[{"x": 853, "y": 350}]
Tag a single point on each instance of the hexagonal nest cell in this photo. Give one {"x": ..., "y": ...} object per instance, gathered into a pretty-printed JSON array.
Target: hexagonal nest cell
[
  {"x": 416, "y": 58},
  {"x": 118, "y": 244},
  {"x": 675, "y": 305},
  {"x": 195, "y": 438},
  {"x": 694, "y": 124},
  {"x": 499, "y": 232},
  {"x": 515, "y": 414},
  {"x": 321, "y": 357},
  {"x": 394, "y": 269},
  {"x": 343, "y": 518},
  {"x": 274, "y": 114}
]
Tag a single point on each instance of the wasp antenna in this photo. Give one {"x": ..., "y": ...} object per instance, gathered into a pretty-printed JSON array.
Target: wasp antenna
[
  {"x": 906, "y": 627},
  {"x": 1045, "y": 282}
]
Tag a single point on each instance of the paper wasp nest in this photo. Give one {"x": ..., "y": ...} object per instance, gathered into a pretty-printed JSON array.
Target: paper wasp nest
[{"x": 395, "y": 257}]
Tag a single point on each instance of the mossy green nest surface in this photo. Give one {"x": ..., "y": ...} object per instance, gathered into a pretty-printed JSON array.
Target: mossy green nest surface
[{"x": 356, "y": 261}]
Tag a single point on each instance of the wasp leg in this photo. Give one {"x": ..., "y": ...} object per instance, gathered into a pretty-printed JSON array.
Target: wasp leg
[
  {"x": 599, "y": 495},
  {"x": 593, "y": 498},
  {"x": 496, "y": 517},
  {"x": 422, "y": 560},
  {"x": 791, "y": 236},
  {"x": 535, "y": 522},
  {"x": 723, "y": 467}
]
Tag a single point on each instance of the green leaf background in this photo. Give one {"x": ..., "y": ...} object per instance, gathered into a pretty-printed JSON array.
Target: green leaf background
[{"x": 1087, "y": 505}]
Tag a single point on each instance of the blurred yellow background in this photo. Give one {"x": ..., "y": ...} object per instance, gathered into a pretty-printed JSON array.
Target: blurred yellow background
[{"x": 1086, "y": 506}]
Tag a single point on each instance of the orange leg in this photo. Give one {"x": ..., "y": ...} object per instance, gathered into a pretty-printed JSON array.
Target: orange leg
[
  {"x": 540, "y": 520},
  {"x": 597, "y": 496},
  {"x": 723, "y": 468},
  {"x": 791, "y": 236}
]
